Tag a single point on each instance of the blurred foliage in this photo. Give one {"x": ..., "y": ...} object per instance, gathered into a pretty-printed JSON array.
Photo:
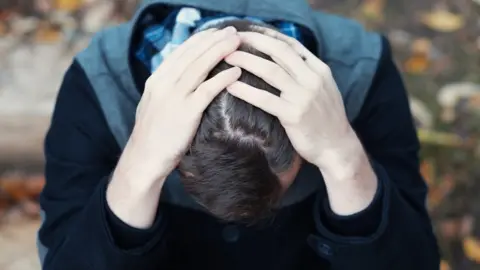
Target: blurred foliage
[{"x": 436, "y": 44}]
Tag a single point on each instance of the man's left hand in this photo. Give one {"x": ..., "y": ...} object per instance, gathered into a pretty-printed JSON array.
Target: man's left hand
[{"x": 311, "y": 109}]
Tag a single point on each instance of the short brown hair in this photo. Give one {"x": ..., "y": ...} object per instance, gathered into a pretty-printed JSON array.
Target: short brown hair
[{"x": 238, "y": 151}]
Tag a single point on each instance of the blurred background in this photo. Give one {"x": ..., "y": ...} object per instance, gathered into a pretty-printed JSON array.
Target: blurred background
[{"x": 436, "y": 45}]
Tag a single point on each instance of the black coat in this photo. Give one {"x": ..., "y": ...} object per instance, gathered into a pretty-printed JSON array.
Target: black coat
[{"x": 81, "y": 232}]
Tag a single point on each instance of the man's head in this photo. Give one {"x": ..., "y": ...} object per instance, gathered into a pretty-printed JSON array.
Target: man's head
[{"x": 241, "y": 160}]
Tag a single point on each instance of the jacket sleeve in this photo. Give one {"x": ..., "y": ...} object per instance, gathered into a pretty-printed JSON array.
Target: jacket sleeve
[
  {"x": 79, "y": 232},
  {"x": 395, "y": 231}
]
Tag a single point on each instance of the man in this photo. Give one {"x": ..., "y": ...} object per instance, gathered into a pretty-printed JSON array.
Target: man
[{"x": 236, "y": 148}]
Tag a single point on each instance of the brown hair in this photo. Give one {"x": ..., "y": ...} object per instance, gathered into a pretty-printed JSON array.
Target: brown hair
[{"x": 238, "y": 151}]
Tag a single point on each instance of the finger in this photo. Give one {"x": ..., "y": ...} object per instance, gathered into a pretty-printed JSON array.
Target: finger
[
  {"x": 172, "y": 59},
  {"x": 261, "y": 99},
  {"x": 269, "y": 71},
  {"x": 194, "y": 52},
  {"x": 190, "y": 42},
  {"x": 209, "y": 89},
  {"x": 311, "y": 59},
  {"x": 200, "y": 68},
  {"x": 282, "y": 53}
]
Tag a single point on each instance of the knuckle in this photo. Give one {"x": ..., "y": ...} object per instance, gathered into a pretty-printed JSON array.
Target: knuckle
[
  {"x": 274, "y": 70},
  {"x": 284, "y": 46},
  {"x": 326, "y": 70},
  {"x": 315, "y": 83},
  {"x": 295, "y": 43},
  {"x": 204, "y": 89},
  {"x": 295, "y": 116}
]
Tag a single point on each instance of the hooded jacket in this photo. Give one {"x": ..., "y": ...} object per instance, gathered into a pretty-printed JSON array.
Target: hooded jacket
[{"x": 83, "y": 146}]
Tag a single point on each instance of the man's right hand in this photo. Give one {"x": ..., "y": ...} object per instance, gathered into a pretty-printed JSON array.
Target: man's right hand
[{"x": 168, "y": 115}]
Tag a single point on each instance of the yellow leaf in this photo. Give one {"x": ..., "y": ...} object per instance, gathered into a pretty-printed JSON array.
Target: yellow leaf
[
  {"x": 440, "y": 138},
  {"x": 427, "y": 171},
  {"x": 48, "y": 34},
  {"x": 471, "y": 247},
  {"x": 422, "y": 46},
  {"x": 3, "y": 29},
  {"x": 417, "y": 63},
  {"x": 373, "y": 9},
  {"x": 442, "y": 20},
  {"x": 444, "y": 265},
  {"x": 68, "y": 5}
]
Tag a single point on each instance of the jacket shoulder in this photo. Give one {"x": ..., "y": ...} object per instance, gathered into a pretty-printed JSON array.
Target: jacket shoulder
[
  {"x": 352, "y": 53},
  {"x": 346, "y": 40},
  {"x": 106, "y": 48}
]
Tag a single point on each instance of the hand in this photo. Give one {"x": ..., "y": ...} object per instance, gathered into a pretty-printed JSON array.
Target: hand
[
  {"x": 167, "y": 119},
  {"x": 175, "y": 97},
  {"x": 310, "y": 108}
]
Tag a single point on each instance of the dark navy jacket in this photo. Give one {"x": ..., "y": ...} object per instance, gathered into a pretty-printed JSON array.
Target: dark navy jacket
[{"x": 80, "y": 232}]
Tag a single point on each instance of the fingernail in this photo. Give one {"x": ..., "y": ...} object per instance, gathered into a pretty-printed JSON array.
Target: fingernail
[{"x": 230, "y": 30}]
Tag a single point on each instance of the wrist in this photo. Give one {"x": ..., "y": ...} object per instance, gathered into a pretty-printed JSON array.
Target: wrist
[
  {"x": 139, "y": 164},
  {"x": 133, "y": 194},
  {"x": 347, "y": 173},
  {"x": 343, "y": 158}
]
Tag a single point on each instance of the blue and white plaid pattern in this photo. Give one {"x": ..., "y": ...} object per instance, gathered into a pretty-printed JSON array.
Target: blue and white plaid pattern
[{"x": 179, "y": 25}]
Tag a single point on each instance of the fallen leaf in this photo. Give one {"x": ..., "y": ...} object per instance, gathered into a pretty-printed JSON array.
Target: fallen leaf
[
  {"x": 471, "y": 246},
  {"x": 34, "y": 185},
  {"x": 422, "y": 115},
  {"x": 373, "y": 9},
  {"x": 427, "y": 171},
  {"x": 450, "y": 94},
  {"x": 442, "y": 20},
  {"x": 444, "y": 265},
  {"x": 417, "y": 64},
  {"x": 68, "y": 5},
  {"x": 48, "y": 34},
  {"x": 4, "y": 203},
  {"x": 419, "y": 60},
  {"x": 440, "y": 138},
  {"x": 14, "y": 188},
  {"x": 97, "y": 16},
  {"x": 3, "y": 29},
  {"x": 421, "y": 45}
]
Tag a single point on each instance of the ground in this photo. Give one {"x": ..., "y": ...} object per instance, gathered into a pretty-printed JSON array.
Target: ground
[{"x": 17, "y": 245}]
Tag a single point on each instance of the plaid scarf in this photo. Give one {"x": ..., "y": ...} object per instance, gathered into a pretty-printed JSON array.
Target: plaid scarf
[{"x": 160, "y": 39}]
